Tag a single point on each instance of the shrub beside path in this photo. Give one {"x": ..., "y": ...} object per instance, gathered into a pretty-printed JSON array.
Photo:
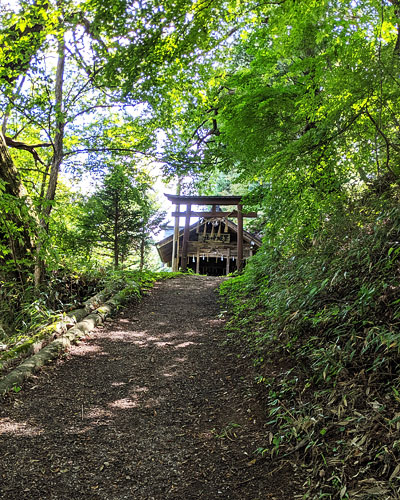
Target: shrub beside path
[{"x": 155, "y": 405}]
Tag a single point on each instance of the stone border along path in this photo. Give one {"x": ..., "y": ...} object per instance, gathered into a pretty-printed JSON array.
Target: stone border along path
[
  {"x": 88, "y": 319},
  {"x": 156, "y": 405}
]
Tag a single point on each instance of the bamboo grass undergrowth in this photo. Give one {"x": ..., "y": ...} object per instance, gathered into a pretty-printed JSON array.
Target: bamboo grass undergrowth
[{"x": 321, "y": 322}]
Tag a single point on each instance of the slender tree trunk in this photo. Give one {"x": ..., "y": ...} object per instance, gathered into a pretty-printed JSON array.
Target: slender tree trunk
[
  {"x": 142, "y": 249},
  {"x": 60, "y": 126},
  {"x": 56, "y": 160},
  {"x": 116, "y": 232},
  {"x": 116, "y": 249}
]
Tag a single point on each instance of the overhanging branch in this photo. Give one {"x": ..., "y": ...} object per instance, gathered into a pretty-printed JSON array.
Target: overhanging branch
[
  {"x": 31, "y": 148},
  {"x": 105, "y": 150}
]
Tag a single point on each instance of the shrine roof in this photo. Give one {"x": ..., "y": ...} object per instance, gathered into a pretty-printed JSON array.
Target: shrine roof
[{"x": 246, "y": 235}]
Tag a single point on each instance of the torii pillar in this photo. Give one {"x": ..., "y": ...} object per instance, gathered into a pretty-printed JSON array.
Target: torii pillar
[
  {"x": 175, "y": 243},
  {"x": 185, "y": 243},
  {"x": 240, "y": 237}
]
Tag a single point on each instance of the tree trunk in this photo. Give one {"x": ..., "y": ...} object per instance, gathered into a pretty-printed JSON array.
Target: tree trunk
[
  {"x": 56, "y": 160},
  {"x": 116, "y": 232},
  {"x": 15, "y": 230},
  {"x": 116, "y": 250},
  {"x": 142, "y": 249},
  {"x": 16, "y": 222},
  {"x": 60, "y": 126}
]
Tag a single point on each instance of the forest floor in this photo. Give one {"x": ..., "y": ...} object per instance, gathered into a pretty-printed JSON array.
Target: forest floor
[{"x": 155, "y": 405}]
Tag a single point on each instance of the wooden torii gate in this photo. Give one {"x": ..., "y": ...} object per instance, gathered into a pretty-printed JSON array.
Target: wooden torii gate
[{"x": 214, "y": 201}]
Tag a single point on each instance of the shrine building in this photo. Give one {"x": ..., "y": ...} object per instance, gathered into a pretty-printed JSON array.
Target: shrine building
[{"x": 214, "y": 245}]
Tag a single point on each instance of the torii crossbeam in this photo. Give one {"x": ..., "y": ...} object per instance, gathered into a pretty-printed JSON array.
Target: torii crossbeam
[{"x": 178, "y": 200}]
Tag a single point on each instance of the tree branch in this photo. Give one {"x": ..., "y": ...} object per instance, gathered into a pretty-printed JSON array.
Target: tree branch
[
  {"x": 22, "y": 145},
  {"x": 383, "y": 135},
  {"x": 104, "y": 150},
  {"x": 91, "y": 108},
  {"x": 31, "y": 148}
]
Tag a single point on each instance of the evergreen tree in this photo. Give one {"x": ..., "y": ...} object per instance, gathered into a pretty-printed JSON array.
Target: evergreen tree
[{"x": 119, "y": 216}]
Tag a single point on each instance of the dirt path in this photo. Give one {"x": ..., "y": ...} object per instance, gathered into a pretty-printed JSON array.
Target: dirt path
[{"x": 155, "y": 406}]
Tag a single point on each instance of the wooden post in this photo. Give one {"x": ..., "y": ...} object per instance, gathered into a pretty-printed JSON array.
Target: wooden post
[
  {"x": 228, "y": 258},
  {"x": 185, "y": 243},
  {"x": 198, "y": 261},
  {"x": 240, "y": 237},
  {"x": 175, "y": 243},
  {"x": 177, "y": 249}
]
